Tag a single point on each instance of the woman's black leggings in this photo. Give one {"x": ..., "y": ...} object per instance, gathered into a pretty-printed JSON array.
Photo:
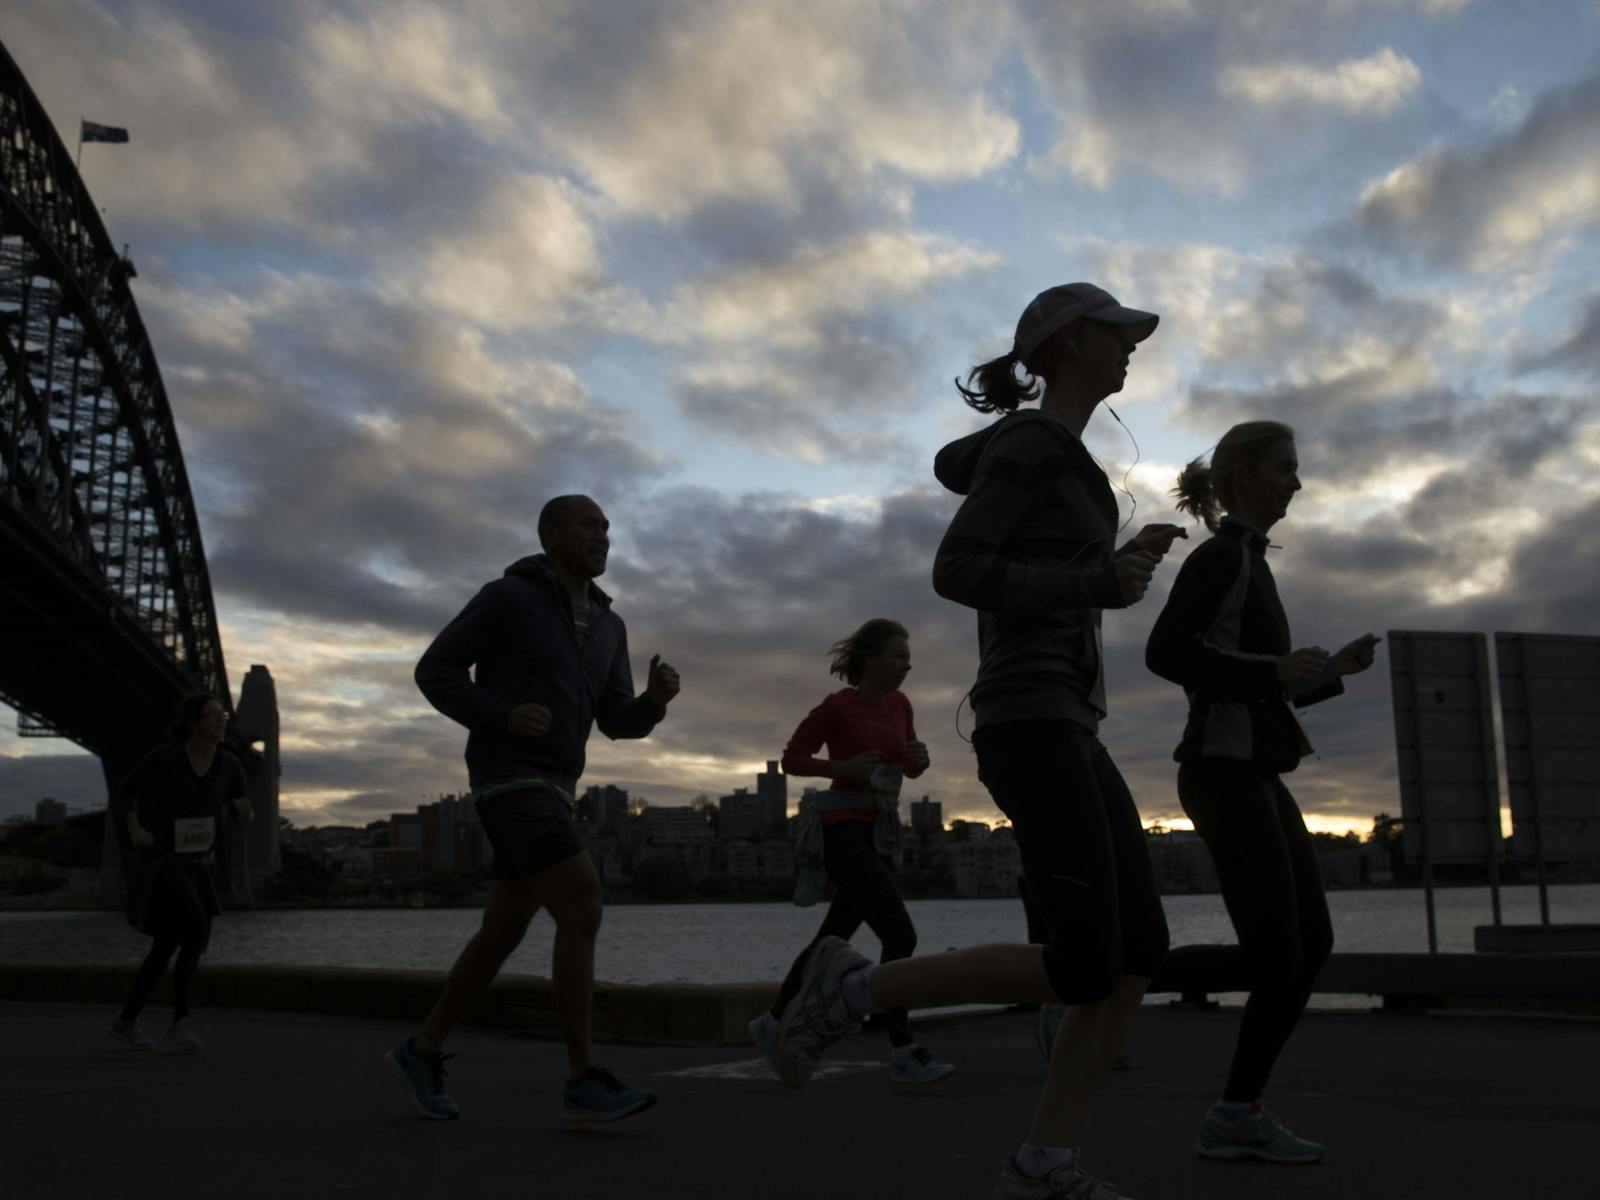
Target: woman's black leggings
[
  {"x": 1272, "y": 885},
  {"x": 1083, "y": 853},
  {"x": 864, "y": 891},
  {"x": 181, "y": 924}
]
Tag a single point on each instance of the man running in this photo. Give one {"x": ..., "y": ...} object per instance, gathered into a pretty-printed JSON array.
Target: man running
[{"x": 552, "y": 660}]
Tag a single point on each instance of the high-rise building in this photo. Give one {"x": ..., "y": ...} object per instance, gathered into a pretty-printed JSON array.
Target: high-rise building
[
  {"x": 927, "y": 819},
  {"x": 772, "y": 786},
  {"x": 608, "y": 808},
  {"x": 676, "y": 825},
  {"x": 742, "y": 815},
  {"x": 451, "y": 838},
  {"x": 255, "y": 719},
  {"x": 50, "y": 811}
]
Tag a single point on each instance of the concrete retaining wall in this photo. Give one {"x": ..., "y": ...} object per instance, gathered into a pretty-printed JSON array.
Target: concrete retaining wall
[
  {"x": 701, "y": 1015},
  {"x": 716, "y": 1014}
]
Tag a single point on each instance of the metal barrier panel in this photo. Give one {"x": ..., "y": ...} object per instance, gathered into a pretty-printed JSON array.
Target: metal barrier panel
[
  {"x": 1444, "y": 741},
  {"x": 1550, "y": 708}
]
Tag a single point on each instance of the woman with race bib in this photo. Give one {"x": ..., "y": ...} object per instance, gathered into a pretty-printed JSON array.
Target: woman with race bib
[
  {"x": 173, "y": 806},
  {"x": 872, "y": 744}
]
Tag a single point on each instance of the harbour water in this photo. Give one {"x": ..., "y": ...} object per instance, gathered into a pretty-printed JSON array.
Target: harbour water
[{"x": 726, "y": 943}]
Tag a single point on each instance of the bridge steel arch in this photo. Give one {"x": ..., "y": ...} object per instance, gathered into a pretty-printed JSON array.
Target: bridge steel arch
[{"x": 106, "y": 612}]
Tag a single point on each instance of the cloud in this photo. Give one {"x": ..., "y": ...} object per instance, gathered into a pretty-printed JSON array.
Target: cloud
[
  {"x": 666, "y": 108},
  {"x": 1503, "y": 202},
  {"x": 1578, "y": 351},
  {"x": 1375, "y": 85}
]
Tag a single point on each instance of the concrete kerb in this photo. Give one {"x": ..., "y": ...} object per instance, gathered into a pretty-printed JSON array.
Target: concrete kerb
[{"x": 694, "y": 1014}]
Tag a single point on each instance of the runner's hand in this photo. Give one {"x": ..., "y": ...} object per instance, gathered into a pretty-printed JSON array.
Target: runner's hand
[
  {"x": 141, "y": 836},
  {"x": 663, "y": 683},
  {"x": 916, "y": 756},
  {"x": 1158, "y": 539},
  {"x": 242, "y": 810},
  {"x": 1356, "y": 657},
  {"x": 1134, "y": 570},
  {"x": 1303, "y": 666},
  {"x": 860, "y": 767},
  {"x": 528, "y": 721}
]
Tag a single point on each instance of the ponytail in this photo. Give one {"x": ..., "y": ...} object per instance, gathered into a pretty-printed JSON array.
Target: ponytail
[
  {"x": 994, "y": 387},
  {"x": 1204, "y": 490},
  {"x": 1195, "y": 495}
]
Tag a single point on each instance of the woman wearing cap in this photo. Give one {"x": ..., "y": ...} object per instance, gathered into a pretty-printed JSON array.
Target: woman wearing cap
[
  {"x": 1032, "y": 548},
  {"x": 174, "y": 803},
  {"x": 872, "y": 744},
  {"x": 1223, "y": 636}
]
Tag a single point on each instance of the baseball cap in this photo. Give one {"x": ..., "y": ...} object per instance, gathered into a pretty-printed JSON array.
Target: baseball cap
[{"x": 1055, "y": 308}]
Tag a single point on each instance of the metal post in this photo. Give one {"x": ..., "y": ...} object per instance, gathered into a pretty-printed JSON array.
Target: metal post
[{"x": 1491, "y": 776}]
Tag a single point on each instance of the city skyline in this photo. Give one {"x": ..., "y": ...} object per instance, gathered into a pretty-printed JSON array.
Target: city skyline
[{"x": 407, "y": 274}]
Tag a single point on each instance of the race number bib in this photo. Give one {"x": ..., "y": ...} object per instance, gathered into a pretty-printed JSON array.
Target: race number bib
[
  {"x": 193, "y": 835},
  {"x": 885, "y": 781}
]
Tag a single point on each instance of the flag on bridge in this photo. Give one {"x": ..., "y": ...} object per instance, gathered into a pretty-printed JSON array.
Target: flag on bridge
[{"x": 93, "y": 132}]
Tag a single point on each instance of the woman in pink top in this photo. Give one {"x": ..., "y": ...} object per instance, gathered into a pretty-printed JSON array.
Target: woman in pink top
[{"x": 872, "y": 743}]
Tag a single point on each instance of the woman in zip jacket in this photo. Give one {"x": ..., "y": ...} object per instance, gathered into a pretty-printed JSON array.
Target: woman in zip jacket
[{"x": 1223, "y": 636}]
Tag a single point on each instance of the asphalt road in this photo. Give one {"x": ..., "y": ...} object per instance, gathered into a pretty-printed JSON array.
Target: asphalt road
[{"x": 298, "y": 1106}]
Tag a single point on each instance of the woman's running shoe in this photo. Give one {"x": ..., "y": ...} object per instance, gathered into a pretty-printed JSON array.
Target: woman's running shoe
[
  {"x": 818, "y": 1015},
  {"x": 131, "y": 1036},
  {"x": 424, "y": 1076},
  {"x": 181, "y": 1037},
  {"x": 913, "y": 1064},
  {"x": 600, "y": 1096},
  {"x": 1069, "y": 1181},
  {"x": 764, "y": 1032},
  {"x": 1260, "y": 1136}
]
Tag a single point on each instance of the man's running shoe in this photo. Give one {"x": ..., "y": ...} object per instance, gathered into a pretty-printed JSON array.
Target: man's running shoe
[
  {"x": 1259, "y": 1135},
  {"x": 424, "y": 1075},
  {"x": 1069, "y": 1181},
  {"x": 913, "y": 1064},
  {"x": 182, "y": 1038},
  {"x": 131, "y": 1036},
  {"x": 601, "y": 1096},
  {"x": 764, "y": 1032},
  {"x": 818, "y": 1015}
]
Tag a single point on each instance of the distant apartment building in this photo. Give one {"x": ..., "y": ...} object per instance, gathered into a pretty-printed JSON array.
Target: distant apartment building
[
  {"x": 758, "y": 860},
  {"x": 968, "y": 831},
  {"x": 742, "y": 815},
  {"x": 451, "y": 838},
  {"x": 608, "y": 808},
  {"x": 389, "y": 862},
  {"x": 50, "y": 811},
  {"x": 927, "y": 819},
  {"x": 986, "y": 865},
  {"x": 676, "y": 825},
  {"x": 772, "y": 786},
  {"x": 1181, "y": 862},
  {"x": 405, "y": 833}
]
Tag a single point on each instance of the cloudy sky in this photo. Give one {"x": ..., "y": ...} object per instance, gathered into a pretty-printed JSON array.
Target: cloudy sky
[{"x": 412, "y": 268}]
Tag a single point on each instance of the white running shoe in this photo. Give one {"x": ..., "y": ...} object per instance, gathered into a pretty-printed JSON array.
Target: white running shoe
[
  {"x": 182, "y": 1038},
  {"x": 818, "y": 1015},
  {"x": 130, "y": 1035},
  {"x": 1069, "y": 1181},
  {"x": 913, "y": 1064}
]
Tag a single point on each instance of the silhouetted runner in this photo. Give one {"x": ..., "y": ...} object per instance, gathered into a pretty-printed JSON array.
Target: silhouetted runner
[
  {"x": 551, "y": 660},
  {"x": 1032, "y": 548},
  {"x": 854, "y": 826},
  {"x": 1224, "y": 637},
  {"x": 174, "y": 806}
]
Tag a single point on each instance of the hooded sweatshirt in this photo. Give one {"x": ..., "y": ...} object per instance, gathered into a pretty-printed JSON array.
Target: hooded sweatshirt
[
  {"x": 520, "y": 634},
  {"x": 1031, "y": 550}
]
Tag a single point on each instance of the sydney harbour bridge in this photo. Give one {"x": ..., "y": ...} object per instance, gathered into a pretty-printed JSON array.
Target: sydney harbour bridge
[{"x": 106, "y": 612}]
